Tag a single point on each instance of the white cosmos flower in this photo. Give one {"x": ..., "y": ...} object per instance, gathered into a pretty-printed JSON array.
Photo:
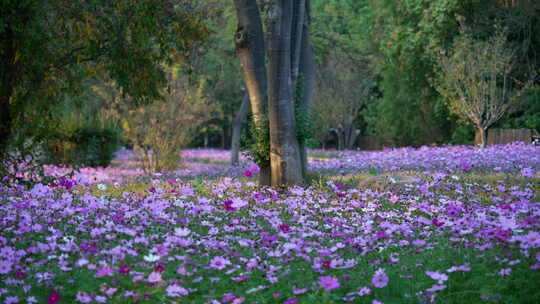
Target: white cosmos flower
[
  {"x": 151, "y": 257},
  {"x": 102, "y": 187}
]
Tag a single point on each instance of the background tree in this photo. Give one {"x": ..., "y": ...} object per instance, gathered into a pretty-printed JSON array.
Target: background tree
[
  {"x": 48, "y": 48},
  {"x": 476, "y": 79},
  {"x": 343, "y": 88}
]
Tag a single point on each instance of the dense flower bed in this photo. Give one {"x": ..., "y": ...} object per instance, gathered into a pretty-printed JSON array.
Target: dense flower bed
[
  {"x": 496, "y": 158},
  {"x": 443, "y": 238},
  {"x": 452, "y": 159}
]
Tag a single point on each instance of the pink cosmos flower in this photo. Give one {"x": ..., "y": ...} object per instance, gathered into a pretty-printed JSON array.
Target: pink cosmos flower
[
  {"x": 83, "y": 297},
  {"x": 436, "y": 287},
  {"x": 254, "y": 168},
  {"x": 228, "y": 297},
  {"x": 154, "y": 277},
  {"x": 104, "y": 271},
  {"x": 440, "y": 277},
  {"x": 459, "y": 268},
  {"x": 248, "y": 173},
  {"x": 419, "y": 242},
  {"x": 380, "y": 279},
  {"x": 238, "y": 300},
  {"x": 176, "y": 291},
  {"x": 505, "y": 272},
  {"x": 329, "y": 283},
  {"x": 5, "y": 267},
  {"x": 11, "y": 300},
  {"x": 219, "y": 263},
  {"x": 364, "y": 291},
  {"x": 527, "y": 172},
  {"x": 290, "y": 301},
  {"x": 238, "y": 203}
]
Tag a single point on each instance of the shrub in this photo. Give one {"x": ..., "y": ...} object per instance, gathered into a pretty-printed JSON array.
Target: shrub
[
  {"x": 92, "y": 146},
  {"x": 158, "y": 131}
]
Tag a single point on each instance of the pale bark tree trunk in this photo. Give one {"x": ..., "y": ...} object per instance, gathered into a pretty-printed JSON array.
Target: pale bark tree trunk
[
  {"x": 284, "y": 149},
  {"x": 237, "y": 130},
  {"x": 249, "y": 40},
  {"x": 481, "y": 136}
]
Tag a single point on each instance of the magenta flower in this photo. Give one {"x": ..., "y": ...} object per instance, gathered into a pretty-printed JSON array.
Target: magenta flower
[
  {"x": 284, "y": 228},
  {"x": 53, "y": 298},
  {"x": 124, "y": 269},
  {"x": 329, "y": 283},
  {"x": 380, "y": 279},
  {"x": 290, "y": 301},
  {"x": 248, "y": 173}
]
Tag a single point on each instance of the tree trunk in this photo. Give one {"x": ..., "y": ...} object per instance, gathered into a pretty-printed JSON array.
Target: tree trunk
[
  {"x": 284, "y": 149},
  {"x": 249, "y": 40},
  {"x": 299, "y": 8},
  {"x": 237, "y": 130},
  {"x": 480, "y": 137},
  {"x": 353, "y": 137},
  {"x": 307, "y": 70}
]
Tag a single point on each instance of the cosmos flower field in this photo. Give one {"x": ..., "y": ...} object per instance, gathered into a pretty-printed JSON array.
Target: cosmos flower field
[{"x": 464, "y": 229}]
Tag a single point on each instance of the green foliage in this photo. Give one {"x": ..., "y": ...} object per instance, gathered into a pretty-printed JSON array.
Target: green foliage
[
  {"x": 406, "y": 34},
  {"x": 50, "y": 47},
  {"x": 527, "y": 115},
  {"x": 92, "y": 146},
  {"x": 260, "y": 145}
]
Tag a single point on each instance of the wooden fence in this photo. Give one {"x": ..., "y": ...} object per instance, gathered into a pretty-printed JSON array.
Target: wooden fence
[{"x": 506, "y": 136}]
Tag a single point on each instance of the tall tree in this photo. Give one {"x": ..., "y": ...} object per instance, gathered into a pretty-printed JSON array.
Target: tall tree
[
  {"x": 272, "y": 93},
  {"x": 47, "y": 47}
]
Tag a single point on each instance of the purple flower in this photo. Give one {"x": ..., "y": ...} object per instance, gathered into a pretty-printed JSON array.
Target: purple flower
[
  {"x": 219, "y": 263},
  {"x": 154, "y": 277},
  {"x": 83, "y": 297},
  {"x": 329, "y": 283},
  {"x": 380, "y": 279},
  {"x": 176, "y": 291},
  {"x": 440, "y": 277},
  {"x": 5, "y": 267}
]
